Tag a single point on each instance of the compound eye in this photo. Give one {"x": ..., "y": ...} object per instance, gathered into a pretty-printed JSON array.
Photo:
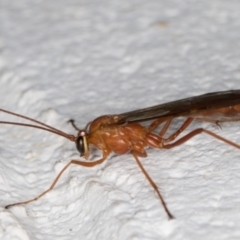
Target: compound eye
[{"x": 81, "y": 143}]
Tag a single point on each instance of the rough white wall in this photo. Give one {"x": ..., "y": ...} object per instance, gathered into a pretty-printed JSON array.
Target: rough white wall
[{"x": 81, "y": 59}]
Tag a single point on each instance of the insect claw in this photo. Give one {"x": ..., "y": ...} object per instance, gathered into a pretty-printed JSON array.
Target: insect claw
[{"x": 218, "y": 125}]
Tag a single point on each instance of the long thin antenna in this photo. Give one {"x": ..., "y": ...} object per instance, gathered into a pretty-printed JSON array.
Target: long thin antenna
[{"x": 46, "y": 126}]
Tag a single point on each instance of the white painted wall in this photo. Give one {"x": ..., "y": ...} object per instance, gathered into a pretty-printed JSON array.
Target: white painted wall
[{"x": 81, "y": 59}]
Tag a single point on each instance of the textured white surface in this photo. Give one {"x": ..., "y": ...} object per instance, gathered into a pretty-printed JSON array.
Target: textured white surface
[{"x": 81, "y": 59}]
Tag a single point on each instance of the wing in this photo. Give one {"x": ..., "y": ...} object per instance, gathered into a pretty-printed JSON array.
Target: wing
[{"x": 185, "y": 107}]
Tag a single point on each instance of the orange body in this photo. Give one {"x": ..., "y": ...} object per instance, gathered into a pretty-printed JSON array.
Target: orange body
[
  {"x": 121, "y": 139},
  {"x": 230, "y": 113},
  {"x": 108, "y": 136}
]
